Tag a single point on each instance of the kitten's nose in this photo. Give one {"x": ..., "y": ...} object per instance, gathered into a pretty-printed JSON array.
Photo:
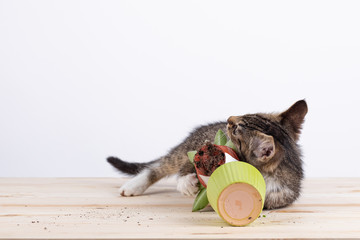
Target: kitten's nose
[{"x": 231, "y": 120}]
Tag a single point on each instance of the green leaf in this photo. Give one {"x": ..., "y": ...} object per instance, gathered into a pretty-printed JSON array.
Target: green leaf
[
  {"x": 191, "y": 156},
  {"x": 231, "y": 145},
  {"x": 220, "y": 138},
  {"x": 201, "y": 200}
]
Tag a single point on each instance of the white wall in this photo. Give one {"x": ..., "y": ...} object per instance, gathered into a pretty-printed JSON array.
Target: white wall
[{"x": 82, "y": 80}]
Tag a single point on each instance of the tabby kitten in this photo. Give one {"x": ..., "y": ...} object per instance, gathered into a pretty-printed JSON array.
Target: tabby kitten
[{"x": 267, "y": 141}]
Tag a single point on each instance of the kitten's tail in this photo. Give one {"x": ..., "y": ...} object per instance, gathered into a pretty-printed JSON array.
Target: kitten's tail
[{"x": 126, "y": 167}]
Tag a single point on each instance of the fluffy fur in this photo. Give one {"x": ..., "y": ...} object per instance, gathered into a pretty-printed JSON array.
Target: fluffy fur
[{"x": 267, "y": 141}]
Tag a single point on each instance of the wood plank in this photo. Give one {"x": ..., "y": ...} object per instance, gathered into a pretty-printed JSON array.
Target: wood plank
[{"x": 92, "y": 208}]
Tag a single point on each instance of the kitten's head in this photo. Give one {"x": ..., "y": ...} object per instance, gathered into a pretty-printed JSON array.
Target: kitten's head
[{"x": 262, "y": 139}]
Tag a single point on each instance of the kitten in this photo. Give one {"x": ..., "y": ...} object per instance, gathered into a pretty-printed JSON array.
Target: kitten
[{"x": 267, "y": 141}]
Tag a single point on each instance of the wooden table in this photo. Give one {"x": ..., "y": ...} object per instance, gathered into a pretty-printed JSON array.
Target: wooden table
[{"x": 92, "y": 208}]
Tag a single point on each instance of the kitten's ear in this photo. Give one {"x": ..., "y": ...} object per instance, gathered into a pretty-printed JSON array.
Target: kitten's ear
[
  {"x": 263, "y": 147},
  {"x": 294, "y": 116}
]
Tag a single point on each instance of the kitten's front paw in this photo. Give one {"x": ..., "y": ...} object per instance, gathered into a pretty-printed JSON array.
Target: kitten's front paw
[{"x": 188, "y": 184}]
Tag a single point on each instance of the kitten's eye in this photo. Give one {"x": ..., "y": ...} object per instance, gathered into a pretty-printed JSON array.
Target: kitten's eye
[
  {"x": 234, "y": 129},
  {"x": 237, "y": 128},
  {"x": 241, "y": 126}
]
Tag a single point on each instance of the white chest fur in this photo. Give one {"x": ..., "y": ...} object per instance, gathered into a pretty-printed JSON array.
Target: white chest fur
[{"x": 272, "y": 184}]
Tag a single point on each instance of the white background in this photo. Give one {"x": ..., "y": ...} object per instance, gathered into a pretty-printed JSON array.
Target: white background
[{"x": 82, "y": 80}]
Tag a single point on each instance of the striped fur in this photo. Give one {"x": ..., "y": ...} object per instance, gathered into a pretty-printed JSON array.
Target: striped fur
[
  {"x": 267, "y": 141},
  {"x": 275, "y": 137}
]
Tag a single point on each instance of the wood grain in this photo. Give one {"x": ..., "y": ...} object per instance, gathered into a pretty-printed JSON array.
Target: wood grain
[{"x": 92, "y": 208}]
